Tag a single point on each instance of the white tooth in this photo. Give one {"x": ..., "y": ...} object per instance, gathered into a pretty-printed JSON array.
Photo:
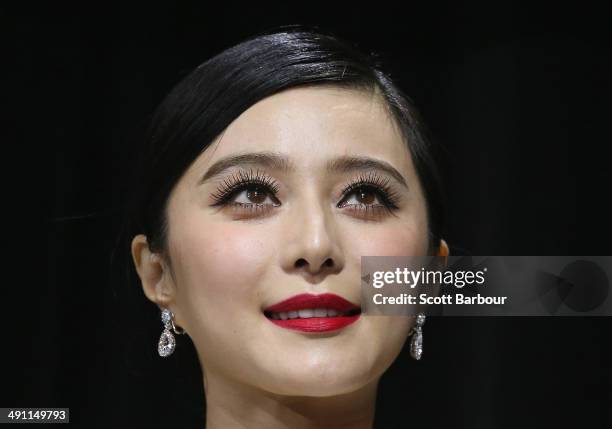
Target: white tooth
[
  {"x": 293, "y": 315},
  {"x": 282, "y": 315},
  {"x": 331, "y": 312},
  {"x": 306, "y": 313},
  {"x": 320, "y": 312}
]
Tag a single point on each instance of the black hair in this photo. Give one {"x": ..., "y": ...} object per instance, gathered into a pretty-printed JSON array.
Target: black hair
[{"x": 205, "y": 102}]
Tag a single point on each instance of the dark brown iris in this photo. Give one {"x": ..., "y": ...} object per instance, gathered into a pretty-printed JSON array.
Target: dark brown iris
[
  {"x": 256, "y": 195},
  {"x": 363, "y": 197}
]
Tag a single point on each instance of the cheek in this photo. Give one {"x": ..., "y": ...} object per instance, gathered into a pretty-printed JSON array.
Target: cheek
[
  {"x": 217, "y": 262},
  {"x": 399, "y": 240}
]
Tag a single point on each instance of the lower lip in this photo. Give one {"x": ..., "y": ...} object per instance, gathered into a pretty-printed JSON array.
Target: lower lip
[{"x": 316, "y": 324}]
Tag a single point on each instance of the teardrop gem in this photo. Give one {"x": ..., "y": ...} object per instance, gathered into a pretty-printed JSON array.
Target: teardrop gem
[
  {"x": 166, "y": 344},
  {"x": 416, "y": 345}
]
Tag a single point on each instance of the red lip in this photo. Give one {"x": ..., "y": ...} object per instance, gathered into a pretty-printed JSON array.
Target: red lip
[{"x": 315, "y": 324}]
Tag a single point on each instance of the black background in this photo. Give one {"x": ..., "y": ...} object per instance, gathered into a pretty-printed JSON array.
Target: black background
[{"x": 519, "y": 98}]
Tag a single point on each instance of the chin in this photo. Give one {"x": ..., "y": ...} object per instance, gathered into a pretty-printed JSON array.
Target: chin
[{"x": 331, "y": 382}]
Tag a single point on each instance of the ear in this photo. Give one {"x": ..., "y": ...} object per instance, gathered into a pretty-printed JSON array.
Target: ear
[
  {"x": 443, "y": 251},
  {"x": 154, "y": 273},
  {"x": 439, "y": 264}
]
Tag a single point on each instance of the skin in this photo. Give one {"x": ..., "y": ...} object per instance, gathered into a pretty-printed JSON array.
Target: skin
[{"x": 224, "y": 265}]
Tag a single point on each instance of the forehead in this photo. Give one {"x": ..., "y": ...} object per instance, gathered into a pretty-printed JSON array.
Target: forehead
[{"x": 311, "y": 125}]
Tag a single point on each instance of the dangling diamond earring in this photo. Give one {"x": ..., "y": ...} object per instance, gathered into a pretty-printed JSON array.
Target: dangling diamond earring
[
  {"x": 167, "y": 343},
  {"x": 416, "y": 344}
]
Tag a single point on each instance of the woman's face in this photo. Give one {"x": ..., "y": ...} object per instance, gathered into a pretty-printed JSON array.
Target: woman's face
[{"x": 292, "y": 232}]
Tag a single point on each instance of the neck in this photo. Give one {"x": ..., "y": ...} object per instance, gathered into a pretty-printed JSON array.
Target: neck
[{"x": 230, "y": 404}]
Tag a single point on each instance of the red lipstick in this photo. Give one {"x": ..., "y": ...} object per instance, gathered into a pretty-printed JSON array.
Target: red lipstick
[{"x": 315, "y": 313}]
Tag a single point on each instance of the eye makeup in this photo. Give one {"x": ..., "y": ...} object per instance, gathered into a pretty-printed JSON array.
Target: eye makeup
[
  {"x": 240, "y": 181},
  {"x": 367, "y": 187},
  {"x": 371, "y": 184}
]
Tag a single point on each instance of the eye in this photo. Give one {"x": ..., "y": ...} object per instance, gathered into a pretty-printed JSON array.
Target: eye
[
  {"x": 363, "y": 195},
  {"x": 253, "y": 194},
  {"x": 247, "y": 191},
  {"x": 369, "y": 195}
]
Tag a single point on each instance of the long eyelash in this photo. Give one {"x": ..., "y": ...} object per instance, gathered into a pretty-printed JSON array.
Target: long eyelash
[
  {"x": 238, "y": 182},
  {"x": 377, "y": 184}
]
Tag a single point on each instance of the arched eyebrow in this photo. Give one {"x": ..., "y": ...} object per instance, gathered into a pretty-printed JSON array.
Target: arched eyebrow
[
  {"x": 279, "y": 162},
  {"x": 346, "y": 164},
  {"x": 271, "y": 160}
]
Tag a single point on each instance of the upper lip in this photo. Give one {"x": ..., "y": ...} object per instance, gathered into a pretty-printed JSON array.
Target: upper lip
[{"x": 307, "y": 300}]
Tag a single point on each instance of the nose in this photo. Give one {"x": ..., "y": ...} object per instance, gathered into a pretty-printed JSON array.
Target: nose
[{"x": 312, "y": 246}]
